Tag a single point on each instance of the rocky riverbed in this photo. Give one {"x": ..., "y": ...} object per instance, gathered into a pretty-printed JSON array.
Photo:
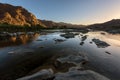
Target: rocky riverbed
[
  {"x": 60, "y": 55},
  {"x": 74, "y": 73}
]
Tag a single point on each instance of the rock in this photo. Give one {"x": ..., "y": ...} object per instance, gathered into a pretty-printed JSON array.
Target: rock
[
  {"x": 17, "y": 15},
  {"x": 91, "y": 42},
  {"x": 75, "y": 59},
  {"x": 39, "y": 40},
  {"x": 65, "y": 62},
  {"x": 115, "y": 31},
  {"x": 19, "y": 51},
  {"x": 30, "y": 33},
  {"x": 75, "y": 74},
  {"x": 59, "y": 40},
  {"x": 68, "y": 35},
  {"x": 20, "y": 33},
  {"x": 100, "y": 44},
  {"x": 45, "y": 74},
  {"x": 107, "y": 52},
  {"x": 82, "y": 43},
  {"x": 84, "y": 38},
  {"x": 11, "y": 52},
  {"x": 62, "y": 66}
]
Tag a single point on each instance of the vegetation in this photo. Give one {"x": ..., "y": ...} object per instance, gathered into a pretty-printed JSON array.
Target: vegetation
[{"x": 16, "y": 28}]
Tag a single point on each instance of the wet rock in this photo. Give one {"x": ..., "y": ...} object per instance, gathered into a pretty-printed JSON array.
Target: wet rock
[
  {"x": 75, "y": 59},
  {"x": 82, "y": 43},
  {"x": 59, "y": 40},
  {"x": 62, "y": 66},
  {"x": 19, "y": 51},
  {"x": 91, "y": 42},
  {"x": 30, "y": 33},
  {"x": 66, "y": 62},
  {"x": 20, "y": 33},
  {"x": 68, "y": 35},
  {"x": 107, "y": 52},
  {"x": 84, "y": 38},
  {"x": 82, "y": 30},
  {"x": 114, "y": 31},
  {"x": 4, "y": 36},
  {"x": 100, "y": 44},
  {"x": 11, "y": 52},
  {"x": 45, "y": 74},
  {"x": 76, "y": 74}
]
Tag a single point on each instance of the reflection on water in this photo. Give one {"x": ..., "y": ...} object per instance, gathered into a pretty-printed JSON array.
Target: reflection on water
[
  {"x": 112, "y": 39},
  {"x": 40, "y": 51},
  {"x": 18, "y": 40}
]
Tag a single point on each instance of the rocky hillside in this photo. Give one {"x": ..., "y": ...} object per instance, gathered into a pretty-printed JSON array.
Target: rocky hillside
[
  {"x": 110, "y": 25},
  {"x": 17, "y": 15},
  {"x": 51, "y": 24}
]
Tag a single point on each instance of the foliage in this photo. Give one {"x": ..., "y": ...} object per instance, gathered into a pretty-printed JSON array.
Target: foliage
[{"x": 16, "y": 28}]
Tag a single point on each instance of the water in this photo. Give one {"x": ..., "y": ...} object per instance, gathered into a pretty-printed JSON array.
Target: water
[{"x": 28, "y": 53}]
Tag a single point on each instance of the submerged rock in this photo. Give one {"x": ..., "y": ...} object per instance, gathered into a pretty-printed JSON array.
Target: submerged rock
[
  {"x": 59, "y": 40},
  {"x": 19, "y": 51},
  {"x": 45, "y": 74},
  {"x": 100, "y": 44},
  {"x": 91, "y": 42},
  {"x": 68, "y": 35},
  {"x": 81, "y": 43},
  {"x": 84, "y": 38},
  {"x": 66, "y": 62},
  {"x": 39, "y": 40},
  {"x": 79, "y": 75},
  {"x": 107, "y": 52},
  {"x": 75, "y": 59}
]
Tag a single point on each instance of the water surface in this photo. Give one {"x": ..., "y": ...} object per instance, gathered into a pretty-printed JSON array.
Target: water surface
[{"x": 21, "y": 55}]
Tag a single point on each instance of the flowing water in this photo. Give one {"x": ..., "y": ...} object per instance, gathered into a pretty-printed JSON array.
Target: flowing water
[{"x": 22, "y": 54}]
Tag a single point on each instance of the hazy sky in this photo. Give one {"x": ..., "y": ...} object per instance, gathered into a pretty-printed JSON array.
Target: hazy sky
[{"x": 71, "y": 11}]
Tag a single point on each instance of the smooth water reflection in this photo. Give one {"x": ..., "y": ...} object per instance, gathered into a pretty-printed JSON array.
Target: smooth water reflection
[
  {"x": 18, "y": 40},
  {"x": 27, "y": 52}
]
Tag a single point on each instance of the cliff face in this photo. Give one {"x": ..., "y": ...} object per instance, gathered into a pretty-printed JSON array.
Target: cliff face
[{"x": 17, "y": 15}]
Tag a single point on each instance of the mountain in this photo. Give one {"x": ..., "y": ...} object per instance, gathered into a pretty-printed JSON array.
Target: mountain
[
  {"x": 52, "y": 24},
  {"x": 17, "y": 15},
  {"x": 110, "y": 25}
]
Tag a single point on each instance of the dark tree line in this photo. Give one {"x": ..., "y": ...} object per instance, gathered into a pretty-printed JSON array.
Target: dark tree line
[{"x": 13, "y": 28}]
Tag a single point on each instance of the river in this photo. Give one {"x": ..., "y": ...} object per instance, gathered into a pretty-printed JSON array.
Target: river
[{"x": 28, "y": 53}]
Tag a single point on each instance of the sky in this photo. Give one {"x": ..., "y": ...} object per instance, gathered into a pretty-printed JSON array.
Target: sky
[{"x": 71, "y": 11}]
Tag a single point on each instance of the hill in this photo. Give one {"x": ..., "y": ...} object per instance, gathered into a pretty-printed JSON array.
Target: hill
[
  {"x": 109, "y": 25},
  {"x": 52, "y": 24},
  {"x": 17, "y": 15}
]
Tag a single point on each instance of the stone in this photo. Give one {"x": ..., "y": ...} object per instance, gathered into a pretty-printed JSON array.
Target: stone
[
  {"x": 100, "y": 44},
  {"x": 84, "y": 38},
  {"x": 45, "y": 74},
  {"x": 76, "y": 74},
  {"x": 74, "y": 59},
  {"x": 68, "y": 35}
]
